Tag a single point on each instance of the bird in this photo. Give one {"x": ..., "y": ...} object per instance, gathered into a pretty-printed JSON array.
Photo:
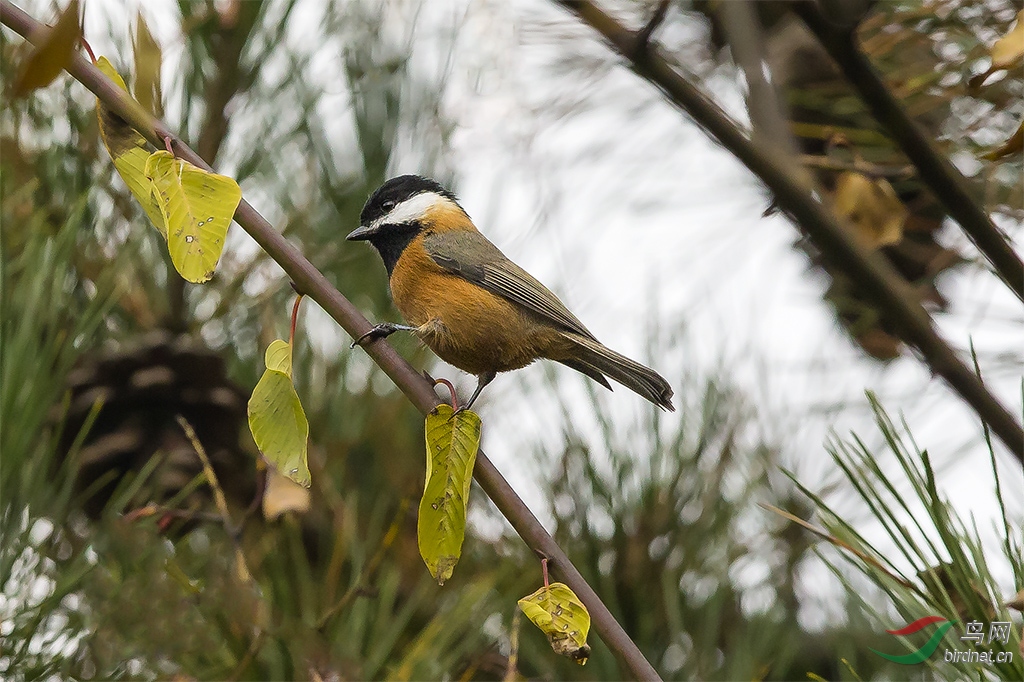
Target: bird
[{"x": 470, "y": 304}]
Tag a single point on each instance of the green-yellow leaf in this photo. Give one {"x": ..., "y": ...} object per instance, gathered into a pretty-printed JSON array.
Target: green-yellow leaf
[
  {"x": 52, "y": 54},
  {"x": 560, "y": 615},
  {"x": 276, "y": 418},
  {"x": 279, "y": 356},
  {"x": 128, "y": 149},
  {"x": 148, "y": 58},
  {"x": 197, "y": 207},
  {"x": 452, "y": 444}
]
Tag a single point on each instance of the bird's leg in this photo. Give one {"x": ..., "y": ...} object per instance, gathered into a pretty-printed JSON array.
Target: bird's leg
[
  {"x": 381, "y": 331},
  {"x": 481, "y": 381}
]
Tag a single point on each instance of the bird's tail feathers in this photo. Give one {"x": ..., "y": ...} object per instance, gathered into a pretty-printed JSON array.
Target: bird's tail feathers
[{"x": 597, "y": 359}]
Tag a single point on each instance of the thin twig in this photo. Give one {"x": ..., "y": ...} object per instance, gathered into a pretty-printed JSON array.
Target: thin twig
[
  {"x": 170, "y": 512},
  {"x": 838, "y": 245},
  {"x": 944, "y": 180},
  {"x": 419, "y": 391},
  {"x": 643, "y": 36},
  {"x": 512, "y": 668},
  {"x": 871, "y": 170},
  {"x": 218, "y": 497}
]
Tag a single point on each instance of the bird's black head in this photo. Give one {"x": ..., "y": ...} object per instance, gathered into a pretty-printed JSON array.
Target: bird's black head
[{"x": 394, "y": 214}]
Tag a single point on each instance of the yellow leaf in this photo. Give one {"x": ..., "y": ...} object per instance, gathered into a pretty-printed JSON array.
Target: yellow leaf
[
  {"x": 279, "y": 356},
  {"x": 128, "y": 149},
  {"x": 1008, "y": 51},
  {"x": 197, "y": 206},
  {"x": 277, "y": 420},
  {"x": 560, "y": 615},
  {"x": 52, "y": 54},
  {"x": 1014, "y": 145},
  {"x": 282, "y": 495},
  {"x": 871, "y": 207},
  {"x": 148, "y": 58},
  {"x": 452, "y": 444}
]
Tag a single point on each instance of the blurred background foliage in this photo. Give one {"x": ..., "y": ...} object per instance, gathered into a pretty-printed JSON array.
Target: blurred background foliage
[{"x": 103, "y": 346}]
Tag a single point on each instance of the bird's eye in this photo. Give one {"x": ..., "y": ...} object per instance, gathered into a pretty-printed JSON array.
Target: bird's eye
[{"x": 388, "y": 205}]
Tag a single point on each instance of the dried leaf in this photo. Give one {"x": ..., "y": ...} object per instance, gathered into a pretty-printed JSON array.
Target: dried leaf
[
  {"x": 560, "y": 615},
  {"x": 1017, "y": 602},
  {"x": 148, "y": 60},
  {"x": 452, "y": 444},
  {"x": 282, "y": 495},
  {"x": 1008, "y": 51},
  {"x": 871, "y": 207},
  {"x": 52, "y": 54}
]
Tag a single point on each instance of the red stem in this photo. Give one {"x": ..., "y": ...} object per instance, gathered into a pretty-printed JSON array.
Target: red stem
[
  {"x": 451, "y": 389},
  {"x": 295, "y": 317},
  {"x": 88, "y": 48},
  {"x": 544, "y": 570}
]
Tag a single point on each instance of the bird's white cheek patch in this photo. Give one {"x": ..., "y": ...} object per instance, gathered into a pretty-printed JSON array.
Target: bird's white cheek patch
[{"x": 413, "y": 208}]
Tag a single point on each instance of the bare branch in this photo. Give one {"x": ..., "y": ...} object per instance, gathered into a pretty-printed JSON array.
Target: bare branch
[
  {"x": 746, "y": 43},
  {"x": 420, "y": 392},
  {"x": 643, "y": 36},
  {"x": 944, "y": 180},
  {"x": 888, "y": 289}
]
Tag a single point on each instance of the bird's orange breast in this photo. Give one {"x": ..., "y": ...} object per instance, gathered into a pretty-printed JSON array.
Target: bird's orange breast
[{"x": 465, "y": 325}]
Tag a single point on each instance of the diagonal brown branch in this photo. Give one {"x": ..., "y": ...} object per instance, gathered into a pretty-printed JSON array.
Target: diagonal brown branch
[
  {"x": 890, "y": 291},
  {"x": 420, "y": 392},
  {"x": 946, "y": 183}
]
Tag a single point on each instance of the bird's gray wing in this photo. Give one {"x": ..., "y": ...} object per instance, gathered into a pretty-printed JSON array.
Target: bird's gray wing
[{"x": 471, "y": 256}]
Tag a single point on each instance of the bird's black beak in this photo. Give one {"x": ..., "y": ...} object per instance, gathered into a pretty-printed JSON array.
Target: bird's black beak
[{"x": 361, "y": 233}]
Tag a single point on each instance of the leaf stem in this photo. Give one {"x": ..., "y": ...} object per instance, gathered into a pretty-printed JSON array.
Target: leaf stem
[
  {"x": 451, "y": 389},
  {"x": 88, "y": 48},
  {"x": 295, "y": 317}
]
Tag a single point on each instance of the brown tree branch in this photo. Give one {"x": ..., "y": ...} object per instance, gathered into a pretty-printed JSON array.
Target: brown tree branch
[
  {"x": 888, "y": 289},
  {"x": 746, "y": 43},
  {"x": 311, "y": 282},
  {"x": 944, "y": 180}
]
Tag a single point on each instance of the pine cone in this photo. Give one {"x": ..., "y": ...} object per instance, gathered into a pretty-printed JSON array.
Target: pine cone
[{"x": 139, "y": 391}]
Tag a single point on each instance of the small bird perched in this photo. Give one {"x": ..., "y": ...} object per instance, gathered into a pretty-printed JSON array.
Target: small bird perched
[{"x": 470, "y": 304}]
